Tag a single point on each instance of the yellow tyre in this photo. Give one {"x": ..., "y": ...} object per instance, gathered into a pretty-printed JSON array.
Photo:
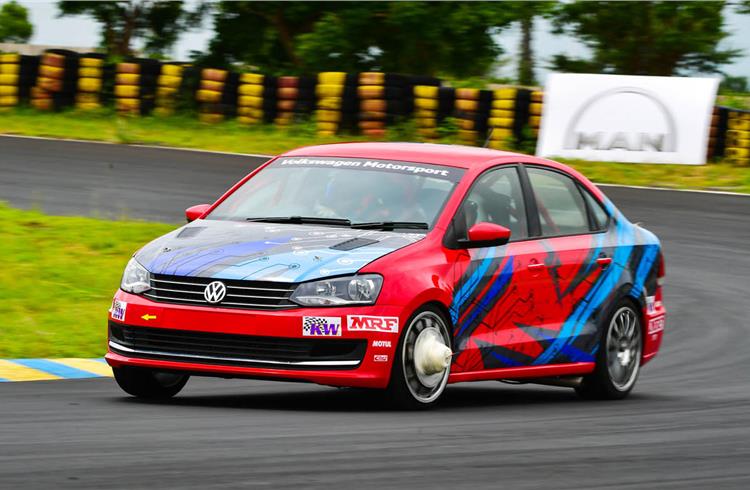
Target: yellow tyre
[
  {"x": 250, "y": 89},
  {"x": 332, "y": 78},
  {"x": 208, "y": 96},
  {"x": 422, "y": 103},
  {"x": 250, "y": 101},
  {"x": 127, "y": 79},
  {"x": 253, "y": 78},
  {"x": 171, "y": 71},
  {"x": 372, "y": 78},
  {"x": 127, "y": 91},
  {"x": 425, "y": 91},
  {"x": 371, "y": 91},
  {"x": 329, "y": 90}
]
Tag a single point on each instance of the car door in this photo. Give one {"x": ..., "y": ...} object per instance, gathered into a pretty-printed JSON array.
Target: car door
[
  {"x": 495, "y": 295},
  {"x": 572, "y": 235}
]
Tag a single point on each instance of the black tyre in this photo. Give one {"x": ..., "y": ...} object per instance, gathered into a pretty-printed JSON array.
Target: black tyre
[
  {"x": 422, "y": 365},
  {"x": 619, "y": 357},
  {"x": 147, "y": 383}
]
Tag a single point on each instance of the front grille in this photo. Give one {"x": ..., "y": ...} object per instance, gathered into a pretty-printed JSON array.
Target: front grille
[
  {"x": 257, "y": 295},
  {"x": 232, "y": 349}
]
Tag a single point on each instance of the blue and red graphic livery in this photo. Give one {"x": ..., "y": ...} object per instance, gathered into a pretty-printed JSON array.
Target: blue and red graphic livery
[{"x": 403, "y": 267}]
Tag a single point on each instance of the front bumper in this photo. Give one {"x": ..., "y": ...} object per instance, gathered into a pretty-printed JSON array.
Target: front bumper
[{"x": 247, "y": 340}]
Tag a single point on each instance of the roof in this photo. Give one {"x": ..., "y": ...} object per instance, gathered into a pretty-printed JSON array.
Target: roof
[{"x": 451, "y": 155}]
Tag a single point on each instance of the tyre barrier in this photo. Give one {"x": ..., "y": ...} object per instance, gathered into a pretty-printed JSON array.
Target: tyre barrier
[
  {"x": 535, "y": 112},
  {"x": 90, "y": 81},
  {"x": 366, "y": 103},
  {"x": 135, "y": 86},
  {"x": 502, "y": 118},
  {"x": 737, "y": 137},
  {"x": 472, "y": 110},
  {"x": 251, "y": 93},
  {"x": 329, "y": 93},
  {"x": 426, "y": 108},
  {"x": 10, "y": 69},
  {"x": 168, "y": 88},
  {"x": 295, "y": 99},
  {"x": 56, "y": 81},
  {"x": 373, "y": 107},
  {"x": 210, "y": 94}
]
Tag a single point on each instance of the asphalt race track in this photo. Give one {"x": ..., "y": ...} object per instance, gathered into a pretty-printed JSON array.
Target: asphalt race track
[{"x": 687, "y": 424}]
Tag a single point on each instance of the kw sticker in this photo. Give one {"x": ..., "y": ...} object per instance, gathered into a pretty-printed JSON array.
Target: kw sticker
[
  {"x": 118, "y": 310},
  {"x": 380, "y": 358},
  {"x": 321, "y": 326}
]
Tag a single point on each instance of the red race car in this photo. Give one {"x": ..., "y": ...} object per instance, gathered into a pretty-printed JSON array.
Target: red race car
[{"x": 401, "y": 267}]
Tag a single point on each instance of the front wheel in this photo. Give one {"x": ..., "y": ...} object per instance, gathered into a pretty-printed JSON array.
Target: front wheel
[
  {"x": 423, "y": 359},
  {"x": 619, "y": 357},
  {"x": 147, "y": 383}
]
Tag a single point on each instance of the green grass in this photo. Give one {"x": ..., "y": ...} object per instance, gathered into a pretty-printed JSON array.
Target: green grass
[
  {"x": 187, "y": 131},
  {"x": 57, "y": 280},
  {"x": 177, "y": 131}
]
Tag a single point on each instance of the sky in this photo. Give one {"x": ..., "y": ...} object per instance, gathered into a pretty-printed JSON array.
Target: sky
[{"x": 84, "y": 32}]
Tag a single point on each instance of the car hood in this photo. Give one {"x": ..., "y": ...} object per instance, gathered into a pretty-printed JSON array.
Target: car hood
[{"x": 267, "y": 251}]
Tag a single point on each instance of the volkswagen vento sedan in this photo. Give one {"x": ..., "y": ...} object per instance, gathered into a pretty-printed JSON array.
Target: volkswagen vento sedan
[{"x": 401, "y": 267}]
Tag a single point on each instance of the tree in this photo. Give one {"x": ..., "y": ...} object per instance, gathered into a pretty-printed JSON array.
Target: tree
[
  {"x": 525, "y": 13},
  {"x": 644, "y": 38},
  {"x": 416, "y": 37},
  {"x": 261, "y": 34},
  {"x": 14, "y": 24},
  {"x": 158, "y": 24}
]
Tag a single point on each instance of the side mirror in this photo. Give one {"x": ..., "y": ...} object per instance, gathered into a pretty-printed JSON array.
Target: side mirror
[
  {"x": 194, "y": 212},
  {"x": 485, "y": 235}
]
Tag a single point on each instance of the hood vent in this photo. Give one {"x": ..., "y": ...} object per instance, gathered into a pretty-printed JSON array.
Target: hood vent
[
  {"x": 190, "y": 232},
  {"x": 353, "y": 243}
]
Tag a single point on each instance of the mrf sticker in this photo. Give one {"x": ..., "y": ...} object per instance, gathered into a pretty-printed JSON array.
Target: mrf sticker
[
  {"x": 118, "y": 310},
  {"x": 366, "y": 323},
  {"x": 321, "y": 326},
  {"x": 656, "y": 325}
]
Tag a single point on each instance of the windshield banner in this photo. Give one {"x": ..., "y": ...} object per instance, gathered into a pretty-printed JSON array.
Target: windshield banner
[{"x": 437, "y": 171}]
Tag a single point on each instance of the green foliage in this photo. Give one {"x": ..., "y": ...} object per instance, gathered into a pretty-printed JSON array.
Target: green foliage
[
  {"x": 644, "y": 38},
  {"x": 731, "y": 84},
  {"x": 411, "y": 37},
  {"x": 14, "y": 23},
  {"x": 447, "y": 130},
  {"x": 157, "y": 24}
]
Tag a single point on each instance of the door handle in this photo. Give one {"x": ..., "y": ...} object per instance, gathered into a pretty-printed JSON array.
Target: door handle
[
  {"x": 604, "y": 261},
  {"x": 536, "y": 266}
]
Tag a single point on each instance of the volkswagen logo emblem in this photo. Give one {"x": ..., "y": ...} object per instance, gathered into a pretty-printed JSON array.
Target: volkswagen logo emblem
[{"x": 215, "y": 292}]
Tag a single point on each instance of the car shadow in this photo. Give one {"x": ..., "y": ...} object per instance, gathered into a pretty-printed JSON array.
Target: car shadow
[{"x": 324, "y": 399}]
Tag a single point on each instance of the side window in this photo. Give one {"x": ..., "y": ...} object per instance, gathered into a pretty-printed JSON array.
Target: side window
[
  {"x": 560, "y": 204},
  {"x": 496, "y": 197},
  {"x": 598, "y": 214}
]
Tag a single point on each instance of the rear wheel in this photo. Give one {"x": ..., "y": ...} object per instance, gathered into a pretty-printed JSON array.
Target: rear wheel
[
  {"x": 422, "y": 365},
  {"x": 147, "y": 383},
  {"x": 619, "y": 357}
]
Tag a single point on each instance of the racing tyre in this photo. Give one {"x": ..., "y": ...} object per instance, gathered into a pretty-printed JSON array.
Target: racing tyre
[
  {"x": 422, "y": 365},
  {"x": 619, "y": 357},
  {"x": 147, "y": 383}
]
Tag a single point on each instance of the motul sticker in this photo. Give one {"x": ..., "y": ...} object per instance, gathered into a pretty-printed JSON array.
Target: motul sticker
[
  {"x": 321, "y": 326},
  {"x": 364, "y": 323}
]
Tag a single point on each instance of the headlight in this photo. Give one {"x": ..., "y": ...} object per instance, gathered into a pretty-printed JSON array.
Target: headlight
[
  {"x": 136, "y": 278},
  {"x": 353, "y": 290}
]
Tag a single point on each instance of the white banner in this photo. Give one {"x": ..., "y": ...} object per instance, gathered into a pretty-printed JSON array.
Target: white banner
[{"x": 620, "y": 118}]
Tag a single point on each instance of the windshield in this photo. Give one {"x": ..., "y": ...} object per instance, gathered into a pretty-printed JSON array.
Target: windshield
[{"x": 358, "y": 190}]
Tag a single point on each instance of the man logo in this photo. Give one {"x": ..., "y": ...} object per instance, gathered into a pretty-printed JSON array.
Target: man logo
[
  {"x": 215, "y": 292},
  {"x": 604, "y": 123}
]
